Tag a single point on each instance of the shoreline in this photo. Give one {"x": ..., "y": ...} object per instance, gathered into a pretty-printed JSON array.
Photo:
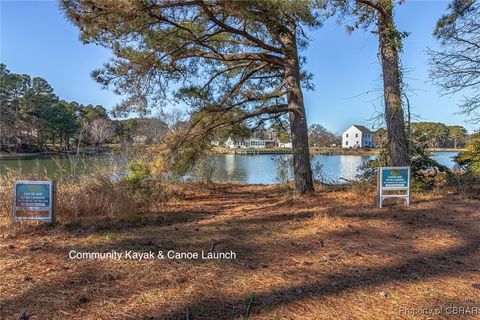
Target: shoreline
[
  {"x": 41, "y": 154},
  {"x": 219, "y": 150},
  {"x": 313, "y": 151}
]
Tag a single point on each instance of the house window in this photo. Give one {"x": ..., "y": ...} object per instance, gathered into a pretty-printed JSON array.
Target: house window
[
  {"x": 346, "y": 135},
  {"x": 346, "y": 143},
  {"x": 356, "y": 135}
]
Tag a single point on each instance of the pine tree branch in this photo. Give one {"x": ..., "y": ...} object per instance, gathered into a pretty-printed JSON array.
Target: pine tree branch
[
  {"x": 373, "y": 4},
  {"x": 249, "y": 56},
  {"x": 242, "y": 33}
]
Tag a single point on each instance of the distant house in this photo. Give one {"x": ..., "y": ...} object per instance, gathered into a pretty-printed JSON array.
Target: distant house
[
  {"x": 285, "y": 145},
  {"x": 215, "y": 143},
  {"x": 249, "y": 143},
  {"x": 357, "y": 137},
  {"x": 233, "y": 143},
  {"x": 140, "y": 139}
]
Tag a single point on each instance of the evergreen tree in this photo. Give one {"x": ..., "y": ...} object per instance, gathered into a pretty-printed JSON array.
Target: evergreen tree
[
  {"x": 227, "y": 56},
  {"x": 31, "y": 115},
  {"x": 380, "y": 14}
]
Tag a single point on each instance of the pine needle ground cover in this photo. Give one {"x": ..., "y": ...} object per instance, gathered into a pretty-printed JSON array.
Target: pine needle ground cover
[{"x": 329, "y": 255}]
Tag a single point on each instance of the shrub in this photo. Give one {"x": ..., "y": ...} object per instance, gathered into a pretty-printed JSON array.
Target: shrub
[
  {"x": 94, "y": 195},
  {"x": 137, "y": 171},
  {"x": 470, "y": 158},
  {"x": 426, "y": 172},
  {"x": 465, "y": 184},
  {"x": 203, "y": 169},
  {"x": 284, "y": 168}
]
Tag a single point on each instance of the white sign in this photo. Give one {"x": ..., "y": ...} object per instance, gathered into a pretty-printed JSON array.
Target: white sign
[
  {"x": 393, "y": 179},
  {"x": 33, "y": 196}
]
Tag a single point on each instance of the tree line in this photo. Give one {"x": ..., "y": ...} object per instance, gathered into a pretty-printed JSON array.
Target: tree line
[
  {"x": 432, "y": 134},
  {"x": 33, "y": 118}
]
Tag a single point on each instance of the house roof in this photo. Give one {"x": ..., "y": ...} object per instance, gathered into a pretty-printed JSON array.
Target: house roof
[{"x": 362, "y": 128}]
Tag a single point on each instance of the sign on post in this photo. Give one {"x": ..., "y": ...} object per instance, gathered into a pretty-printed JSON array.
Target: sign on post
[
  {"x": 393, "y": 179},
  {"x": 33, "y": 198}
]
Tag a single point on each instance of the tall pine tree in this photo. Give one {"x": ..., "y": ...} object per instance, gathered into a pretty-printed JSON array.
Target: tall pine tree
[{"x": 233, "y": 61}]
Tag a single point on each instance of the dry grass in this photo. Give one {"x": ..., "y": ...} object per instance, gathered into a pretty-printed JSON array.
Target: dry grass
[
  {"x": 89, "y": 195},
  {"x": 329, "y": 255}
]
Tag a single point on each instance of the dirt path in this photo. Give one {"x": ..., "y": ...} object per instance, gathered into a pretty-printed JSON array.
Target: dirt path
[{"x": 329, "y": 255}]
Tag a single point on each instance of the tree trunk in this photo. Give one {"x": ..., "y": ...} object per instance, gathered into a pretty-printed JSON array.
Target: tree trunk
[
  {"x": 394, "y": 117},
  {"x": 298, "y": 120},
  {"x": 301, "y": 155}
]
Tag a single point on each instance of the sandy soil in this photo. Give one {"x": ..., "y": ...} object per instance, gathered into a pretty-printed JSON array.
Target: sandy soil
[{"x": 329, "y": 255}]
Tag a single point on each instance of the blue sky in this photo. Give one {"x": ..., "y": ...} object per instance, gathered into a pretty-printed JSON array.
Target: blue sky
[{"x": 36, "y": 39}]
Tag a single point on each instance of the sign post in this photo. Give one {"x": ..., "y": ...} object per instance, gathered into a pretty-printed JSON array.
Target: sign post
[
  {"x": 34, "y": 196},
  {"x": 393, "y": 179}
]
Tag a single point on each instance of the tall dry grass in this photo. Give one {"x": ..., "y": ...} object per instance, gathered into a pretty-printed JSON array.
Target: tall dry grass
[
  {"x": 77, "y": 197},
  {"x": 94, "y": 195}
]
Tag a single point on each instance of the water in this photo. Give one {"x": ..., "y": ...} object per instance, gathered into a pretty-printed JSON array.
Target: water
[
  {"x": 261, "y": 168},
  {"x": 52, "y": 166},
  {"x": 258, "y": 169},
  {"x": 445, "y": 158}
]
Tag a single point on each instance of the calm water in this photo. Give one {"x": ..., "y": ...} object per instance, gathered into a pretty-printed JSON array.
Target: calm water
[
  {"x": 250, "y": 169},
  {"x": 261, "y": 168}
]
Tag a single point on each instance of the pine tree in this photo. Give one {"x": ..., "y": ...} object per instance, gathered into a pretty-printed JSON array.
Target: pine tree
[
  {"x": 233, "y": 61},
  {"x": 380, "y": 15}
]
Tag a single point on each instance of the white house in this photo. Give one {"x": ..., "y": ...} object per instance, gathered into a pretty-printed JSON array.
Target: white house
[
  {"x": 357, "y": 137},
  {"x": 249, "y": 143},
  {"x": 140, "y": 139},
  {"x": 215, "y": 143},
  {"x": 285, "y": 145}
]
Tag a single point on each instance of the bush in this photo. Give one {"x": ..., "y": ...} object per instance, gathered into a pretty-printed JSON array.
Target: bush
[
  {"x": 470, "y": 158},
  {"x": 427, "y": 173},
  {"x": 137, "y": 171},
  {"x": 94, "y": 195},
  {"x": 137, "y": 181},
  {"x": 465, "y": 184},
  {"x": 158, "y": 176},
  {"x": 284, "y": 168},
  {"x": 203, "y": 169}
]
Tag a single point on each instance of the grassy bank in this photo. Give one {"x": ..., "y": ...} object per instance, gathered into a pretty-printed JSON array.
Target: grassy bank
[
  {"x": 218, "y": 150},
  {"x": 329, "y": 255}
]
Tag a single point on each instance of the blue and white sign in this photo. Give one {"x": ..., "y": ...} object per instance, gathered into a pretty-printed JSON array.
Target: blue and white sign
[
  {"x": 393, "y": 179},
  {"x": 398, "y": 178},
  {"x": 33, "y": 196}
]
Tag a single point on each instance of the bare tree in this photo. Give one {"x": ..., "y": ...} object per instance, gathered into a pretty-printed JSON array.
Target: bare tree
[
  {"x": 174, "y": 118},
  {"x": 101, "y": 130},
  {"x": 456, "y": 66},
  {"x": 153, "y": 128},
  {"x": 319, "y": 136}
]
